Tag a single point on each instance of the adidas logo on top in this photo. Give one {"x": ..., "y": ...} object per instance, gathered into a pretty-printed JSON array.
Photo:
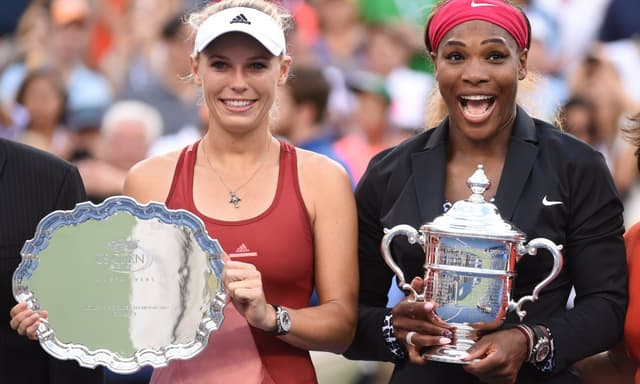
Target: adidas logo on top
[
  {"x": 243, "y": 251},
  {"x": 240, "y": 19},
  {"x": 242, "y": 248}
]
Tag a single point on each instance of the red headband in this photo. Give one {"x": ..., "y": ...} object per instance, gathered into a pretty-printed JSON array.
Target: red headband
[{"x": 456, "y": 12}]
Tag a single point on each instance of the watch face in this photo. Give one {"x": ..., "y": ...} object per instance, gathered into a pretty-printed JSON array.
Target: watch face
[
  {"x": 285, "y": 321},
  {"x": 542, "y": 352}
]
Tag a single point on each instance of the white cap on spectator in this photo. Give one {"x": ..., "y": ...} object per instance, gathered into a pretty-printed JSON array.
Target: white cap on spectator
[{"x": 254, "y": 23}]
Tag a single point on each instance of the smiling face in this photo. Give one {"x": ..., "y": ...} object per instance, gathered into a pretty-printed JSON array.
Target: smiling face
[
  {"x": 239, "y": 79},
  {"x": 477, "y": 66}
]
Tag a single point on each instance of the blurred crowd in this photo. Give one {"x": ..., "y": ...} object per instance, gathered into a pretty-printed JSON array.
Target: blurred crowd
[{"x": 105, "y": 83}]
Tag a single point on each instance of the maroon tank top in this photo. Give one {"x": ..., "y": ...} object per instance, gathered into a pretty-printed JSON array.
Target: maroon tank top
[{"x": 279, "y": 242}]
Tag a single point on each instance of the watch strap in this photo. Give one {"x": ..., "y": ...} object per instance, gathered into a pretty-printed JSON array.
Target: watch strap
[
  {"x": 280, "y": 328},
  {"x": 274, "y": 332},
  {"x": 542, "y": 350}
]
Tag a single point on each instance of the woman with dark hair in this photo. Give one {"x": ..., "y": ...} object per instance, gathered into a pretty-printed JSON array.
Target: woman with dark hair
[
  {"x": 577, "y": 117},
  {"x": 43, "y": 95},
  {"x": 547, "y": 183}
]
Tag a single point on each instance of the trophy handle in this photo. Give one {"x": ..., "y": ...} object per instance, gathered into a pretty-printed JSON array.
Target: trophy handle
[
  {"x": 532, "y": 248},
  {"x": 412, "y": 237}
]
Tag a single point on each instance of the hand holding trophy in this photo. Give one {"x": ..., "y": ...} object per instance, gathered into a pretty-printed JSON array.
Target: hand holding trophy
[{"x": 469, "y": 270}]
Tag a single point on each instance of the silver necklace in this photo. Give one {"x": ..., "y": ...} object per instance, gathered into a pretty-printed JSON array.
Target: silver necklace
[{"x": 233, "y": 192}]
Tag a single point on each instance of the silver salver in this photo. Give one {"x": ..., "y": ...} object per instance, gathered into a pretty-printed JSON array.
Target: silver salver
[
  {"x": 125, "y": 285},
  {"x": 469, "y": 269}
]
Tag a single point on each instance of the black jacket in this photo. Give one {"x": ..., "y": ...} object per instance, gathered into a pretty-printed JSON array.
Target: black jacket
[
  {"x": 32, "y": 184},
  {"x": 405, "y": 185}
]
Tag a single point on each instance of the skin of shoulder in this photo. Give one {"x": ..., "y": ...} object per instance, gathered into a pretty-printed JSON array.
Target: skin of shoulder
[
  {"x": 319, "y": 176},
  {"x": 150, "y": 179}
]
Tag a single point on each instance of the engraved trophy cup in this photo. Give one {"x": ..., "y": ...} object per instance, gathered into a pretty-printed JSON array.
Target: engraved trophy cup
[{"x": 469, "y": 269}]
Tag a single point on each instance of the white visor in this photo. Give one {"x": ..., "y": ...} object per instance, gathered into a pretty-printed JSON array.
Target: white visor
[{"x": 254, "y": 23}]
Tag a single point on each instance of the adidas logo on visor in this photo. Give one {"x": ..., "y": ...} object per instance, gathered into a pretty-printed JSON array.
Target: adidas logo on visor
[{"x": 240, "y": 19}]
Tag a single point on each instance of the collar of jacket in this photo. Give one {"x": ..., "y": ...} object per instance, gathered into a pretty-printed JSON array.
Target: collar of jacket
[
  {"x": 521, "y": 157},
  {"x": 523, "y": 129}
]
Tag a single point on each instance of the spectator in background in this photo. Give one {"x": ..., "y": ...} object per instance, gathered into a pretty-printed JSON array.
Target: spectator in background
[
  {"x": 598, "y": 81},
  {"x": 128, "y": 130},
  {"x": 385, "y": 11},
  {"x": 32, "y": 36},
  {"x": 542, "y": 97},
  {"x": 84, "y": 126},
  {"x": 342, "y": 35},
  {"x": 388, "y": 53},
  {"x": 371, "y": 131},
  {"x": 31, "y": 50},
  {"x": 45, "y": 99},
  {"x": 9, "y": 20},
  {"x": 577, "y": 30},
  {"x": 302, "y": 112},
  {"x": 67, "y": 49},
  {"x": 187, "y": 135},
  {"x": 302, "y": 107},
  {"x": 72, "y": 21},
  {"x": 339, "y": 49},
  {"x": 577, "y": 117},
  {"x": 169, "y": 92},
  {"x": 304, "y": 32},
  {"x": 136, "y": 53}
]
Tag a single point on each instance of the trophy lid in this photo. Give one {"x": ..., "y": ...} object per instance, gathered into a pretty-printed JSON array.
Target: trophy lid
[{"x": 475, "y": 217}]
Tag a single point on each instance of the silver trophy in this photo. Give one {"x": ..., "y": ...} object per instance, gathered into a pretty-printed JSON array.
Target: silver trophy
[{"x": 469, "y": 269}]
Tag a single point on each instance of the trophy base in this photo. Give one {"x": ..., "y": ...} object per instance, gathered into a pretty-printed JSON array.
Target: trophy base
[
  {"x": 447, "y": 354},
  {"x": 454, "y": 353}
]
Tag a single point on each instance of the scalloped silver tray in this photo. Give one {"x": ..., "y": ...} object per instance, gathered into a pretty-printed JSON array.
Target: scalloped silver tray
[{"x": 125, "y": 285}]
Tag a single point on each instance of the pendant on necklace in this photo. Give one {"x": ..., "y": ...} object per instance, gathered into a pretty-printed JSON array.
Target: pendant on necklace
[{"x": 234, "y": 199}]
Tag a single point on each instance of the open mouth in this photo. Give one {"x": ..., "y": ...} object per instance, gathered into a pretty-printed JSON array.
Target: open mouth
[{"x": 477, "y": 107}]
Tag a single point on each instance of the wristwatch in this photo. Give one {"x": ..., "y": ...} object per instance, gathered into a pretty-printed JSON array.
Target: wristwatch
[
  {"x": 542, "y": 347},
  {"x": 283, "y": 321}
]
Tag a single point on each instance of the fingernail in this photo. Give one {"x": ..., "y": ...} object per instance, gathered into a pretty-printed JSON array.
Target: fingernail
[
  {"x": 444, "y": 340},
  {"x": 428, "y": 306},
  {"x": 447, "y": 333}
]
